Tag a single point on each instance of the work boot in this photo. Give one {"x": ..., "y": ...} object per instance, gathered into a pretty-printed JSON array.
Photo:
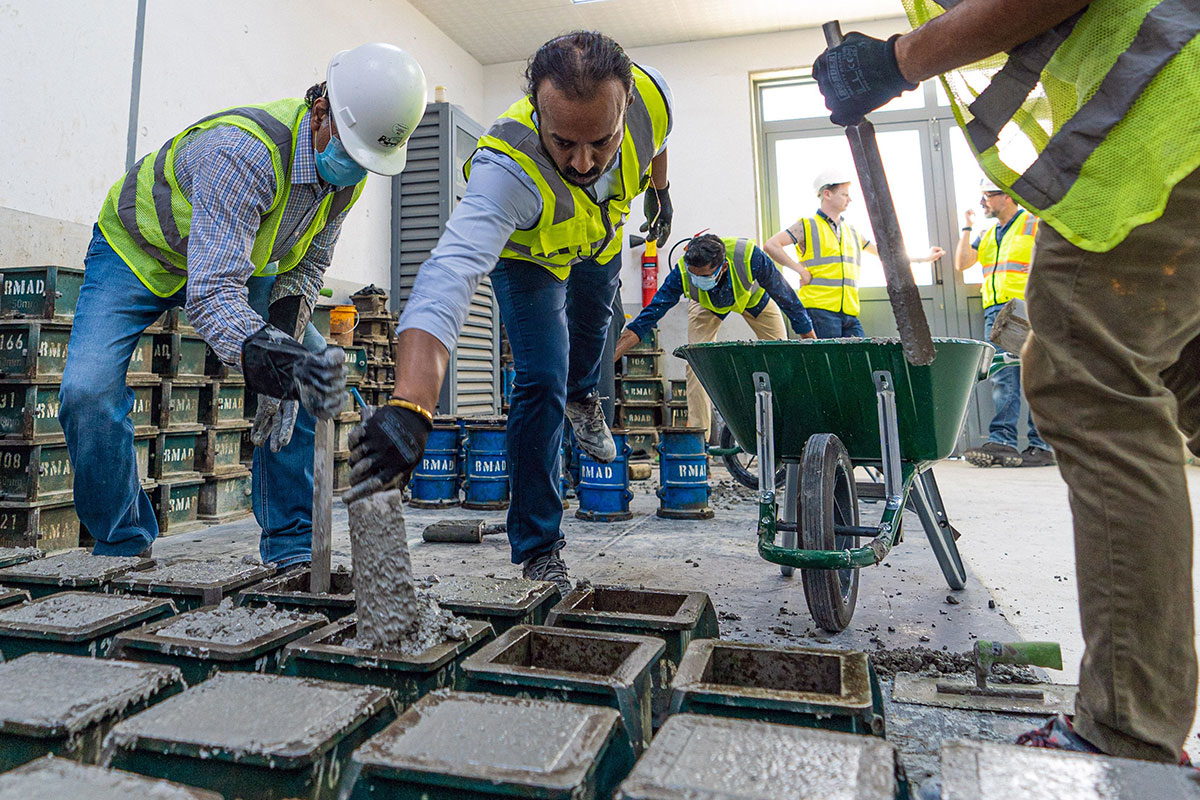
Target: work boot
[
  {"x": 549, "y": 567},
  {"x": 1057, "y": 734},
  {"x": 1037, "y": 457},
  {"x": 591, "y": 431},
  {"x": 993, "y": 453}
]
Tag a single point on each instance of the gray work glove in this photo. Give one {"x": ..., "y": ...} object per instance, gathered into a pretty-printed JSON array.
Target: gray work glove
[
  {"x": 274, "y": 422},
  {"x": 276, "y": 365}
]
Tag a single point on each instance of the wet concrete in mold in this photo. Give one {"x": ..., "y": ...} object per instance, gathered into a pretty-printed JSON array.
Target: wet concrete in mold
[
  {"x": 383, "y": 579},
  {"x": 484, "y": 591},
  {"x": 10, "y": 553},
  {"x": 198, "y": 573},
  {"x": 71, "y": 611},
  {"x": 57, "y": 778},
  {"x": 68, "y": 693},
  {"x": 434, "y": 626},
  {"x": 773, "y": 670},
  {"x": 74, "y": 564},
  {"x": 227, "y": 624}
]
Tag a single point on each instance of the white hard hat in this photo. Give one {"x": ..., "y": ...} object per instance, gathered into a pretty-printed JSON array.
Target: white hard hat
[
  {"x": 832, "y": 176},
  {"x": 987, "y": 185},
  {"x": 377, "y": 97}
]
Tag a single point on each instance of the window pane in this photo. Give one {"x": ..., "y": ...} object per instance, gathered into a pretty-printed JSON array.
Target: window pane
[
  {"x": 804, "y": 100},
  {"x": 967, "y": 194}
]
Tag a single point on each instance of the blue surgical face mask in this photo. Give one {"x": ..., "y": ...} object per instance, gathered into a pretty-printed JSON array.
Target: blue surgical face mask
[
  {"x": 705, "y": 283},
  {"x": 336, "y": 166}
]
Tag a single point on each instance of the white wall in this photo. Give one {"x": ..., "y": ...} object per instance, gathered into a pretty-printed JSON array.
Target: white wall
[
  {"x": 68, "y": 67},
  {"x": 711, "y": 149}
]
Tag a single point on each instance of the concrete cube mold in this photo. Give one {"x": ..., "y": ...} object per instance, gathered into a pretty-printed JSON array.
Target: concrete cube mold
[
  {"x": 76, "y": 570},
  {"x": 40, "y": 292},
  {"x": 290, "y": 592},
  {"x": 10, "y": 597},
  {"x": 252, "y": 736},
  {"x": 459, "y": 745},
  {"x": 731, "y": 759},
  {"x": 587, "y": 667},
  {"x": 815, "y": 687},
  {"x": 504, "y": 602},
  {"x": 192, "y": 584},
  {"x": 53, "y": 703},
  {"x": 675, "y": 617},
  {"x": 248, "y": 648},
  {"x": 53, "y": 778},
  {"x": 11, "y": 556},
  {"x": 75, "y": 623},
  {"x": 323, "y": 655}
]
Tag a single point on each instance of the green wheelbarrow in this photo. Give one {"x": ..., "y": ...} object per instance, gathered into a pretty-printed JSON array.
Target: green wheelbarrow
[{"x": 821, "y": 408}]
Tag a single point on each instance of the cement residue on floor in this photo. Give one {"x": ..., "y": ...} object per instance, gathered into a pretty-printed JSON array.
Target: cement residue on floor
[
  {"x": 227, "y": 624},
  {"x": 383, "y": 579},
  {"x": 49, "y": 690},
  {"x": 200, "y": 573},
  {"x": 71, "y": 610},
  {"x": 247, "y": 712},
  {"x": 72, "y": 564},
  {"x": 923, "y": 661},
  {"x": 435, "y": 625},
  {"x": 480, "y": 590},
  {"x": 57, "y": 778}
]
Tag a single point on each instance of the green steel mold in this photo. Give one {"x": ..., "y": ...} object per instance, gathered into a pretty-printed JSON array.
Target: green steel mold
[
  {"x": 290, "y": 592},
  {"x": 40, "y": 292},
  {"x": 76, "y": 570},
  {"x": 192, "y": 584},
  {"x": 74, "y": 623},
  {"x": 503, "y": 602}
]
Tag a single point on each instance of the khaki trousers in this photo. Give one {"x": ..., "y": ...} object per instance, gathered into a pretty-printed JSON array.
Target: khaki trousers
[
  {"x": 1112, "y": 373},
  {"x": 702, "y": 327}
]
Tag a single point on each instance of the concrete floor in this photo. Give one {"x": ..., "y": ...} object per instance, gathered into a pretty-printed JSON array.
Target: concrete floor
[{"x": 1021, "y": 558}]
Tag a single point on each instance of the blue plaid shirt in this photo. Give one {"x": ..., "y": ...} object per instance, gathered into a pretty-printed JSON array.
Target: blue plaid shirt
[{"x": 227, "y": 175}]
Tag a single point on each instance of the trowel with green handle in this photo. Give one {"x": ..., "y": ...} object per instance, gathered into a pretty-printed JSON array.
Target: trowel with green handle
[{"x": 1026, "y": 654}]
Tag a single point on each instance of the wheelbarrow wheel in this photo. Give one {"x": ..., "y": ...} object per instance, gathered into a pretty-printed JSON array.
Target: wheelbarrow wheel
[
  {"x": 742, "y": 465},
  {"x": 828, "y": 497}
]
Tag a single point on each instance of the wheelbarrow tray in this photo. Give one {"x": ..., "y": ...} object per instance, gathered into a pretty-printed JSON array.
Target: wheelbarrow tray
[{"x": 826, "y": 386}]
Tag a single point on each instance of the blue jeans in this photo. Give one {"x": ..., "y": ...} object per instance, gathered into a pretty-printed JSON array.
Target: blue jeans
[
  {"x": 1006, "y": 396},
  {"x": 114, "y": 309},
  {"x": 835, "y": 324},
  {"x": 557, "y": 330}
]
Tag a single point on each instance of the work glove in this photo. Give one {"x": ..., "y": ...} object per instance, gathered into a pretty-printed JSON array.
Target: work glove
[
  {"x": 384, "y": 450},
  {"x": 277, "y": 366},
  {"x": 858, "y": 76},
  {"x": 657, "y": 205},
  {"x": 274, "y": 422}
]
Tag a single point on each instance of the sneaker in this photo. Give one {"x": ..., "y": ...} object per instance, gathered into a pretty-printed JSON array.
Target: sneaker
[
  {"x": 1057, "y": 734},
  {"x": 591, "y": 431},
  {"x": 993, "y": 453},
  {"x": 1037, "y": 457},
  {"x": 549, "y": 567}
]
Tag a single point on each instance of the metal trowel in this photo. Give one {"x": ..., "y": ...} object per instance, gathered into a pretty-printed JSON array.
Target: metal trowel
[{"x": 462, "y": 531}]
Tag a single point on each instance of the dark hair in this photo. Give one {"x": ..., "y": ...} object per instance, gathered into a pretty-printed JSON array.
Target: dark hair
[
  {"x": 704, "y": 251},
  {"x": 314, "y": 93},
  {"x": 577, "y": 63}
]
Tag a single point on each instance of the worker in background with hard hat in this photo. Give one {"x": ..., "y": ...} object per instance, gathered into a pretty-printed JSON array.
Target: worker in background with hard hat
[
  {"x": 720, "y": 276},
  {"x": 1005, "y": 251},
  {"x": 829, "y": 257},
  {"x": 205, "y": 222}
]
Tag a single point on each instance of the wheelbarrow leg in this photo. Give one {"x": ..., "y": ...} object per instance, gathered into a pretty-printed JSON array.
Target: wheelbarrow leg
[
  {"x": 942, "y": 535},
  {"x": 787, "y": 515}
]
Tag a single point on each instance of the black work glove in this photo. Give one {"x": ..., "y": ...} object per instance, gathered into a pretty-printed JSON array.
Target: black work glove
[
  {"x": 657, "y": 205},
  {"x": 276, "y": 365},
  {"x": 858, "y": 76},
  {"x": 384, "y": 450}
]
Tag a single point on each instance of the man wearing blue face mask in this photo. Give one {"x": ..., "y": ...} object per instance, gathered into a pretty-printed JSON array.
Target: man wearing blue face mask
[
  {"x": 207, "y": 222},
  {"x": 721, "y": 276}
]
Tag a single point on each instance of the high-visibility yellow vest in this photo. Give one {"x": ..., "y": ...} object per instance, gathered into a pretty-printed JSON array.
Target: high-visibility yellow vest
[
  {"x": 146, "y": 218},
  {"x": 573, "y": 227},
  {"x": 834, "y": 259},
  {"x": 1098, "y": 115},
  {"x": 1006, "y": 264},
  {"x": 746, "y": 291}
]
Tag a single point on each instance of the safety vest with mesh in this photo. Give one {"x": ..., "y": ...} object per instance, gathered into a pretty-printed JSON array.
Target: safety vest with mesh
[
  {"x": 573, "y": 227},
  {"x": 834, "y": 258},
  {"x": 1006, "y": 263},
  {"x": 746, "y": 291},
  {"x": 146, "y": 218},
  {"x": 1091, "y": 124}
]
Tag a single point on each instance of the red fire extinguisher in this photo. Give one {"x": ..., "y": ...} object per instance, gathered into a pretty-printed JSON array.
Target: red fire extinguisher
[{"x": 649, "y": 267}]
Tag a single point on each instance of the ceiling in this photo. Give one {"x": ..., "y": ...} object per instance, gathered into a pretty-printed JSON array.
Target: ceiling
[{"x": 495, "y": 31}]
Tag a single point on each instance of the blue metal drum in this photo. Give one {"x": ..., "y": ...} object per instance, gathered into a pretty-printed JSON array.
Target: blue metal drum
[
  {"x": 434, "y": 482},
  {"x": 683, "y": 475},
  {"x": 603, "y": 489},
  {"x": 486, "y": 484}
]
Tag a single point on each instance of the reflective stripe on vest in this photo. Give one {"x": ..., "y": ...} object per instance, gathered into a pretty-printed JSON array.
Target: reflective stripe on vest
[
  {"x": 1094, "y": 140},
  {"x": 1006, "y": 264},
  {"x": 146, "y": 218},
  {"x": 573, "y": 227},
  {"x": 746, "y": 291},
  {"x": 834, "y": 259}
]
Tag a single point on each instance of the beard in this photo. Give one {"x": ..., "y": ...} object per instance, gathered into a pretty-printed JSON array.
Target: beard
[{"x": 586, "y": 179}]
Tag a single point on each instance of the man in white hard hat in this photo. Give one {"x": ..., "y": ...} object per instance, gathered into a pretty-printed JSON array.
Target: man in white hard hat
[
  {"x": 1005, "y": 251},
  {"x": 206, "y": 222},
  {"x": 829, "y": 257}
]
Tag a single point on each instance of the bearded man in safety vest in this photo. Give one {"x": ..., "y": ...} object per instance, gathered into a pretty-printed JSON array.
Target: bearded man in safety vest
[
  {"x": 548, "y": 190},
  {"x": 721, "y": 276},
  {"x": 1004, "y": 251},
  {"x": 204, "y": 222},
  {"x": 829, "y": 257},
  {"x": 1112, "y": 368}
]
